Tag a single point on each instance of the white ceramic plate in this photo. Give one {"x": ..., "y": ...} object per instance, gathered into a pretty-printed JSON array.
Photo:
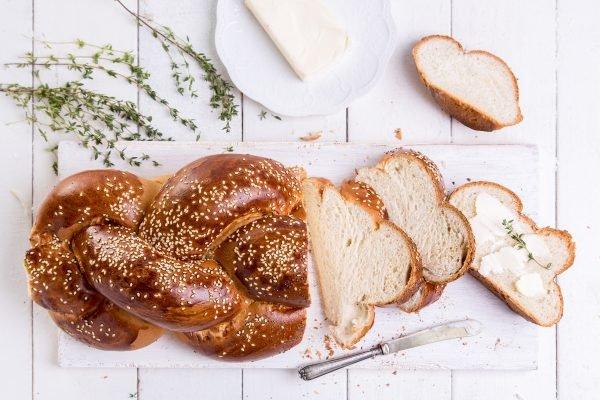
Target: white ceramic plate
[{"x": 258, "y": 69}]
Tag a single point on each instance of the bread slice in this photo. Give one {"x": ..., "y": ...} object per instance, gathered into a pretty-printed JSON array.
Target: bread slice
[
  {"x": 475, "y": 87},
  {"x": 361, "y": 260},
  {"x": 556, "y": 255},
  {"x": 411, "y": 188},
  {"x": 428, "y": 293}
]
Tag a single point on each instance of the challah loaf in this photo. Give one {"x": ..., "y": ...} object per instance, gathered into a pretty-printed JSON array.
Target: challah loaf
[{"x": 216, "y": 252}]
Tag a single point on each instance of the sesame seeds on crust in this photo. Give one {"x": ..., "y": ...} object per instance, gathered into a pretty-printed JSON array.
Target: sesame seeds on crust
[
  {"x": 116, "y": 258},
  {"x": 204, "y": 198},
  {"x": 177, "y": 295},
  {"x": 269, "y": 257}
]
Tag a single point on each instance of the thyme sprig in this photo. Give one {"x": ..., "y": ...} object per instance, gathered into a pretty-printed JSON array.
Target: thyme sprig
[
  {"x": 520, "y": 243},
  {"x": 108, "y": 61},
  {"x": 180, "y": 51},
  {"x": 97, "y": 120}
]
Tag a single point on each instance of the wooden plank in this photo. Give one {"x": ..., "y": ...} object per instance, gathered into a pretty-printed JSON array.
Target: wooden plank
[
  {"x": 160, "y": 384},
  {"x": 15, "y": 210},
  {"x": 380, "y": 385},
  {"x": 196, "y": 19},
  {"x": 261, "y": 125},
  {"x": 276, "y": 384},
  {"x": 579, "y": 163},
  {"x": 399, "y": 110},
  {"x": 98, "y": 22},
  {"x": 525, "y": 40},
  {"x": 399, "y": 101}
]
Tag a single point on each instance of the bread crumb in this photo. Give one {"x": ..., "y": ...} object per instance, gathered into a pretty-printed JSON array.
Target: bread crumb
[
  {"x": 328, "y": 346},
  {"x": 311, "y": 136},
  {"x": 307, "y": 354},
  {"x": 398, "y": 133}
]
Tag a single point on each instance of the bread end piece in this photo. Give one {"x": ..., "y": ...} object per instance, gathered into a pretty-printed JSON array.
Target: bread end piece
[
  {"x": 544, "y": 311},
  {"x": 454, "y": 78}
]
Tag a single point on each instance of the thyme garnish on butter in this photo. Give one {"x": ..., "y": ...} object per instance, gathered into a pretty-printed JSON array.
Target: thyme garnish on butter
[{"x": 520, "y": 243}]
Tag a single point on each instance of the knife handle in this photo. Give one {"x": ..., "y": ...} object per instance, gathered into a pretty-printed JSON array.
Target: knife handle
[{"x": 321, "y": 368}]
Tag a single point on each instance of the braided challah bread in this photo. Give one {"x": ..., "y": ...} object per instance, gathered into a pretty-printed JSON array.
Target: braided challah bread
[{"x": 216, "y": 254}]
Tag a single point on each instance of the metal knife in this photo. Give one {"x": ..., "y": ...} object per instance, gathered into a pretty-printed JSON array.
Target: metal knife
[{"x": 452, "y": 330}]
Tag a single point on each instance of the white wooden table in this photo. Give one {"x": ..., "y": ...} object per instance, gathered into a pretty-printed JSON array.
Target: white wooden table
[{"x": 553, "y": 47}]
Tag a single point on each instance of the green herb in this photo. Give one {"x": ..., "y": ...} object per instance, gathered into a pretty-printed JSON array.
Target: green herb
[
  {"x": 133, "y": 395},
  {"x": 179, "y": 50},
  {"x": 98, "y": 121},
  {"x": 104, "y": 60},
  {"x": 520, "y": 243},
  {"x": 263, "y": 114},
  {"x": 229, "y": 149}
]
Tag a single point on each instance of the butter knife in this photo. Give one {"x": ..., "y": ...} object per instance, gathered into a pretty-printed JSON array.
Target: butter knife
[{"x": 452, "y": 330}]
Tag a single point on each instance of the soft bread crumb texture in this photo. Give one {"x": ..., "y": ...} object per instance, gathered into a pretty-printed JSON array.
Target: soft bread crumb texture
[
  {"x": 361, "y": 260},
  {"x": 410, "y": 187},
  {"x": 475, "y": 87},
  {"x": 544, "y": 310}
]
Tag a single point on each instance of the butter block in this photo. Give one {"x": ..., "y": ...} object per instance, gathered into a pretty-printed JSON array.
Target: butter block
[{"x": 304, "y": 31}]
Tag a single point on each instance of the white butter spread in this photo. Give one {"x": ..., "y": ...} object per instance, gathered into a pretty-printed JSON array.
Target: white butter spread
[
  {"x": 304, "y": 31},
  {"x": 506, "y": 259},
  {"x": 502, "y": 255},
  {"x": 530, "y": 285},
  {"x": 487, "y": 226},
  {"x": 538, "y": 246}
]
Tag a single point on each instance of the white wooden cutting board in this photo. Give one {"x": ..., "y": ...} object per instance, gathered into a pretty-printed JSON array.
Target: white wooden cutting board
[{"x": 507, "y": 341}]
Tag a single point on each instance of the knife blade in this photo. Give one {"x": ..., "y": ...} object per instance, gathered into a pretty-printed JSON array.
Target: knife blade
[{"x": 451, "y": 330}]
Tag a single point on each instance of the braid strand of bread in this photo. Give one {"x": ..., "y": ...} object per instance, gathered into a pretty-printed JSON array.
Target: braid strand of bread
[{"x": 215, "y": 253}]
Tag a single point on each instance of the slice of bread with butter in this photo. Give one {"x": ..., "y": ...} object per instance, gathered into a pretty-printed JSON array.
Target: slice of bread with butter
[{"x": 514, "y": 258}]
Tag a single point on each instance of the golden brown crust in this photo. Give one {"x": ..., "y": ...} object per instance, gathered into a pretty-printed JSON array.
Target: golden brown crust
[
  {"x": 259, "y": 330},
  {"x": 108, "y": 328},
  {"x": 514, "y": 305},
  {"x": 468, "y": 114},
  {"x": 436, "y": 177},
  {"x": 176, "y": 295},
  {"x": 365, "y": 194},
  {"x": 56, "y": 282},
  {"x": 427, "y": 294},
  {"x": 269, "y": 258},
  {"x": 107, "y": 286},
  {"x": 208, "y": 199},
  {"x": 91, "y": 197},
  {"x": 564, "y": 236}
]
